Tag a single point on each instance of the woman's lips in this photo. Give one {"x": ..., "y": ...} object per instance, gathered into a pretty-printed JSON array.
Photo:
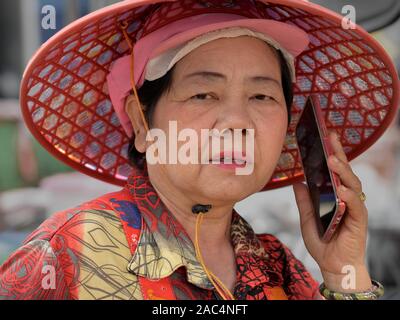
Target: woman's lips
[
  {"x": 229, "y": 166},
  {"x": 230, "y": 160}
]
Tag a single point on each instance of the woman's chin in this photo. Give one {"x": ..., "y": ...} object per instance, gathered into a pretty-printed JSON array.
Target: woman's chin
[{"x": 228, "y": 190}]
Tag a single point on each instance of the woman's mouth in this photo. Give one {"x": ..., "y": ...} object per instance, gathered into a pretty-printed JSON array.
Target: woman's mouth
[{"x": 229, "y": 160}]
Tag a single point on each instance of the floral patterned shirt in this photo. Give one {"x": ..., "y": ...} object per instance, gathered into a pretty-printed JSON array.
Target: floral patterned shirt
[{"x": 128, "y": 245}]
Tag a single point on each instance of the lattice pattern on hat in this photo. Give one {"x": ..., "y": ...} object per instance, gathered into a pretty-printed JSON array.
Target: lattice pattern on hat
[{"x": 68, "y": 109}]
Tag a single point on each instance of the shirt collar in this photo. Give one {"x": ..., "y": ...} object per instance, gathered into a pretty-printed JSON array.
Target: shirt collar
[{"x": 164, "y": 246}]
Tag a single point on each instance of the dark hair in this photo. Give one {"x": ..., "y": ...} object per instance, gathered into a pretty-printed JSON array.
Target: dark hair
[{"x": 151, "y": 91}]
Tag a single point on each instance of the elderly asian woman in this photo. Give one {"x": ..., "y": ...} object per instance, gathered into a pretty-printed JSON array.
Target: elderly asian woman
[{"x": 232, "y": 68}]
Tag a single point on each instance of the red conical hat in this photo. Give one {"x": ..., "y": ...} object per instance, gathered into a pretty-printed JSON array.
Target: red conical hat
[{"x": 65, "y": 96}]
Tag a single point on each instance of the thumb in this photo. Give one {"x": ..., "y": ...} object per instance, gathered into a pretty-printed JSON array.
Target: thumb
[{"x": 306, "y": 211}]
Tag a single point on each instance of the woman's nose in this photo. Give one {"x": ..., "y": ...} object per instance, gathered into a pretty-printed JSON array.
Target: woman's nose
[{"x": 234, "y": 116}]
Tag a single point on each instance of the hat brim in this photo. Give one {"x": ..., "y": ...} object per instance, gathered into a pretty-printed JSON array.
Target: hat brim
[{"x": 66, "y": 106}]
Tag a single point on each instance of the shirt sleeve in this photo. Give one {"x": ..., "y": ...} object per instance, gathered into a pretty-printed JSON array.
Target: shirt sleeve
[
  {"x": 298, "y": 283},
  {"x": 33, "y": 272}
]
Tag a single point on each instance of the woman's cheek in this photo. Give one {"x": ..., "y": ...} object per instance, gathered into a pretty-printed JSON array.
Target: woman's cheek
[{"x": 269, "y": 142}]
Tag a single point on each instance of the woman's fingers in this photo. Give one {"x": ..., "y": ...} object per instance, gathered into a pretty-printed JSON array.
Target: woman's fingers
[
  {"x": 340, "y": 165},
  {"x": 337, "y": 146},
  {"x": 351, "y": 187},
  {"x": 346, "y": 174},
  {"x": 355, "y": 207}
]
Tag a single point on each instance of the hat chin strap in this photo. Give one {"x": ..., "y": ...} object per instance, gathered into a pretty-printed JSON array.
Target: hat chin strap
[
  {"x": 223, "y": 291},
  {"x": 123, "y": 26}
]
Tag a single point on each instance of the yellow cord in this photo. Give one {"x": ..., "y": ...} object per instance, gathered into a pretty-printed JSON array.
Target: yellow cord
[
  {"x": 222, "y": 290},
  {"x": 123, "y": 26}
]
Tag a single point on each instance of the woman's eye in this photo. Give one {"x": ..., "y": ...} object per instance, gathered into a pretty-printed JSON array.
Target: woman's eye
[
  {"x": 262, "y": 97},
  {"x": 201, "y": 96}
]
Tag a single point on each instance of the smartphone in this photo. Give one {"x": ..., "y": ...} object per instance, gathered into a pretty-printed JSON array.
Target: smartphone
[{"x": 315, "y": 148}]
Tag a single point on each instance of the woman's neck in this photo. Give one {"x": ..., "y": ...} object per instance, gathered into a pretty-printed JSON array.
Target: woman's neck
[
  {"x": 214, "y": 235},
  {"x": 216, "y": 224}
]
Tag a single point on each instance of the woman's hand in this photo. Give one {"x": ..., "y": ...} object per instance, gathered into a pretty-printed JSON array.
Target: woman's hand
[{"x": 345, "y": 252}]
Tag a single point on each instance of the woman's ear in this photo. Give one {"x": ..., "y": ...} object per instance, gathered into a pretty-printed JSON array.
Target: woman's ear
[{"x": 139, "y": 129}]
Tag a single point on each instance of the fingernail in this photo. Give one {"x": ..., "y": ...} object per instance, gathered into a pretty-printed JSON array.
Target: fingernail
[
  {"x": 334, "y": 159},
  {"x": 336, "y": 136}
]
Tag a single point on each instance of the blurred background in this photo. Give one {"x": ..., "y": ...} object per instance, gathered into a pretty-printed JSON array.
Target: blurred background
[{"x": 34, "y": 185}]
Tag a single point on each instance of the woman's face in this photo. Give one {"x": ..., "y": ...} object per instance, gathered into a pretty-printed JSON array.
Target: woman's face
[{"x": 237, "y": 85}]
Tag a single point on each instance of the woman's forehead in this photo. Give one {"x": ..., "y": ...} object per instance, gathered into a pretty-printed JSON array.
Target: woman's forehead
[{"x": 217, "y": 59}]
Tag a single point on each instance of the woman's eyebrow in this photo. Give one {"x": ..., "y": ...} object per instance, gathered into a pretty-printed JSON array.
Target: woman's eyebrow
[{"x": 212, "y": 76}]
